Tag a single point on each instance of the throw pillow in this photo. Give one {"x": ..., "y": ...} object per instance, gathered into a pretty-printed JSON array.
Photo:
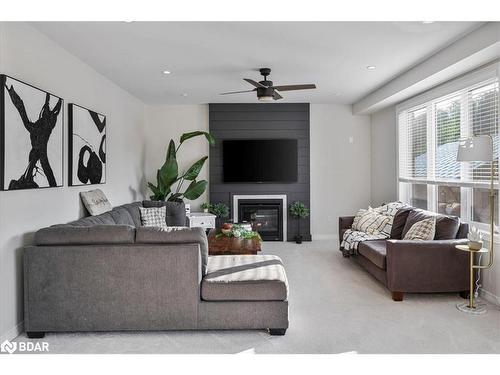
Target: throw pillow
[
  {"x": 95, "y": 202},
  {"x": 153, "y": 217},
  {"x": 175, "y": 214},
  {"x": 370, "y": 221},
  {"x": 423, "y": 230}
]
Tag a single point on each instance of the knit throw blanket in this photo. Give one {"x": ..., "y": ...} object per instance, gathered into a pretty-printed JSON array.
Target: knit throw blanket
[{"x": 370, "y": 224}]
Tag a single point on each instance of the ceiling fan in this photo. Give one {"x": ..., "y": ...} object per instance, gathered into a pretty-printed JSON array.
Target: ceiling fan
[{"x": 265, "y": 89}]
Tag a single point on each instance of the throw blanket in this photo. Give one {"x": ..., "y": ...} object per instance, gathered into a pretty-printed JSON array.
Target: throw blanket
[{"x": 371, "y": 224}]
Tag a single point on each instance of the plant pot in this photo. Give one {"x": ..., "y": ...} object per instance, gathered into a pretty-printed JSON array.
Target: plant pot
[
  {"x": 205, "y": 210},
  {"x": 298, "y": 240},
  {"x": 475, "y": 245}
]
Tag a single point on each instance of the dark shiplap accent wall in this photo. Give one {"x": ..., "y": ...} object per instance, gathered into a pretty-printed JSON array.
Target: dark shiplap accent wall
[{"x": 264, "y": 121}]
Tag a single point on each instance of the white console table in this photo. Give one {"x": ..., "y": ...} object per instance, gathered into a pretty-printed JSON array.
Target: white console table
[{"x": 201, "y": 219}]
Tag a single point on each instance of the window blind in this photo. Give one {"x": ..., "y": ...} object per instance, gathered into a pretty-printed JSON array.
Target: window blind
[{"x": 429, "y": 135}]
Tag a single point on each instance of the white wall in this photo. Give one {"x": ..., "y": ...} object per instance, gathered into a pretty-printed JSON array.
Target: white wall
[
  {"x": 340, "y": 170},
  {"x": 383, "y": 156},
  {"x": 28, "y": 55},
  {"x": 165, "y": 122}
]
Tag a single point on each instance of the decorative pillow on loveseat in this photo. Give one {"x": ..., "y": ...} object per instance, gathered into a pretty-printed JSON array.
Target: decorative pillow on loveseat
[
  {"x": 422, "y": 230},
  {"x": 175, "y": 215},
  {"x": 153, "y": 216},
  {"x": 95, "y": 202},
  {"x": 370, "y": 221}
]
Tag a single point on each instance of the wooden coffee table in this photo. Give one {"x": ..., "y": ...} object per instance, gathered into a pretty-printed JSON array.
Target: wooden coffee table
[{"x": 224, "y": 245}]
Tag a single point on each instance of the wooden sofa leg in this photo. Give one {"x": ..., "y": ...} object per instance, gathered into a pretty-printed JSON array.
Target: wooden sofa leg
[
  {"x": 397, "y": 296},
  {"x": 464, "y": 294}
]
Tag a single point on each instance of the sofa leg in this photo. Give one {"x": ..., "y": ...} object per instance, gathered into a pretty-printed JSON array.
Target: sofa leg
[
  {"x": 464, "y": 294},
  {"x": 35, "y": 335},
  {"x": 277, "y": 331},
  {"x": 397, "y": 296}
]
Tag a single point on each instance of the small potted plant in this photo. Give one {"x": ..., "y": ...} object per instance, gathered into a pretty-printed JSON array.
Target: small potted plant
[
  {"x": 475, "y": 239},
  {"x": 298, "y": 210},
  {"x": 221, "y": 210},
  {"x": 205, "y": 207}
]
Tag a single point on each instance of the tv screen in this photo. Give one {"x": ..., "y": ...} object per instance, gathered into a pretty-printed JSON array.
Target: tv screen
[{"x": 260, "y": 160}]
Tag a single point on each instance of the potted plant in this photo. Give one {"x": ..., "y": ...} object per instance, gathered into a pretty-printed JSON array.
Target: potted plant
[
  {"x": 475, "y": 239},
  {"x": 298, "y": 210},
  {"x": 205, "y": 207},
  {"x": 221, "y": 210},
  {"x": 169, "y": 182}
]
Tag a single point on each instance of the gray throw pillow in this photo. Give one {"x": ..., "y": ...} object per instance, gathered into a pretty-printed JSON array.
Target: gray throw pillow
[{"x": 95, "y": 202}]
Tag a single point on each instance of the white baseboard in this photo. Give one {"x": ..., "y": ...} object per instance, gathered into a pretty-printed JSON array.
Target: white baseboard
[
  {"x": 12, "y": 333},
  {"x": 490, "y": 297},
  {"x": 325, "y": 237}
]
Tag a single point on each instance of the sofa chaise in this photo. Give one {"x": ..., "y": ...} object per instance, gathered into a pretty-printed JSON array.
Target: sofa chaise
[
  {"x": 415, "y": 266},
  {"x": 109, "y": 273}
]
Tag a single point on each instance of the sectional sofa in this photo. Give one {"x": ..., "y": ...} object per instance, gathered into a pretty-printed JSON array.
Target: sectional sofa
[
  {"x": 109, "y": 273},
  {"x": 416, "y": 266}
]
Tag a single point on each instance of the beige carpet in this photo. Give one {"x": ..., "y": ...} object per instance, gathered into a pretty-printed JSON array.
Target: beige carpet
[{"x": 335, "y": 307}]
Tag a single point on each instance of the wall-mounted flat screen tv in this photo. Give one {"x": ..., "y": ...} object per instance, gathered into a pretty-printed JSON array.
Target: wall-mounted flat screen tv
[{"x": 260, "y": 160}]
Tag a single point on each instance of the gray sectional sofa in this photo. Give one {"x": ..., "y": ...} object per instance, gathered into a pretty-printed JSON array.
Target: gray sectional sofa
[{"x": 108, "y": 273}]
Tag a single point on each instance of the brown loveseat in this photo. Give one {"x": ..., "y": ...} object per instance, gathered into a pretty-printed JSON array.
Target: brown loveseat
[{"x": 415, "y": 266}]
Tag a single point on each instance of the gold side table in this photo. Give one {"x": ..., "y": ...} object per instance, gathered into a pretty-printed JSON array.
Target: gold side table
[{"x": 471, "y": 307}]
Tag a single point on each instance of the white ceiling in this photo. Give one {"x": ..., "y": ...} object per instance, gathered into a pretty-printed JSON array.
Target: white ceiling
[{"x": 207, "y": 58}]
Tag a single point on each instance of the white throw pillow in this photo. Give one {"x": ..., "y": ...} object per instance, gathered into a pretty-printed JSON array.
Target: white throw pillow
[
  {"x": 95, "y": 202},
  {"x": 153, "y": 216},
  {"x": 370, "y": 221},
  {"x": 423, "y": 230}
]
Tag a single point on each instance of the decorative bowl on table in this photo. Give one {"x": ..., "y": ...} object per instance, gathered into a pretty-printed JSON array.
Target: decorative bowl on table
[{"x": 226, "y": 228}]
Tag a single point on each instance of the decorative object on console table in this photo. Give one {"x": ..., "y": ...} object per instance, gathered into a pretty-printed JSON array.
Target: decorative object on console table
[
  {"x": 478, "y": 149},
  {"x": 227, "y": 244},
  {"x": 86, "y": 146},
  {"x": 201, "y": 219},
  {"x": 206, "y": 207},
  {"x": 31, "y": 136},
  {"x": 169, "y": 182},
  {"x": 221, "y": 211},
  {"x": 299, "y": 211}
]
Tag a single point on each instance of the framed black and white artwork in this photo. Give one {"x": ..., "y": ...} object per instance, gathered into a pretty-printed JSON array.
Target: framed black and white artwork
[
  {"x": 87, "y": 146},
  {"x": 31, "y": 136}
]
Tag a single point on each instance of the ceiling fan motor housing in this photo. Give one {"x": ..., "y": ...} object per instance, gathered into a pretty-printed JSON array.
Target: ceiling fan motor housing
[{"x": 265, "y": 91}]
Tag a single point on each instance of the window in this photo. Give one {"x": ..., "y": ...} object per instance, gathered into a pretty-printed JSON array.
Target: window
[{"x": 429, "y": 133}]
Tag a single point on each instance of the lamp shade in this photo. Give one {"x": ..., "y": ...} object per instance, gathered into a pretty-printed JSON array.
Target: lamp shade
[{"x": 478, "y": 148}]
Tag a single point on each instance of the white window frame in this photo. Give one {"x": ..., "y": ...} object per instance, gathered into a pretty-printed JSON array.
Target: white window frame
[{"x": 460, "y": 85}]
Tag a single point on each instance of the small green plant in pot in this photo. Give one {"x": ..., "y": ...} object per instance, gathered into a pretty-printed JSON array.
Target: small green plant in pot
[
  {"x": 169, "y": 182},
  {"x": 206, "y": 207},
  {"x": 299, "y": 211},
  {"x": 221, "y": 210}
]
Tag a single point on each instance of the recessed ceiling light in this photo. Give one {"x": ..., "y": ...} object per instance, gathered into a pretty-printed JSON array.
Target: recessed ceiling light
[
  {"x": 427, "y": 22},
  {"x": 184, "y": 94},
  {"x": 371, "y": 67},
  {"x": 166, "y": 72}
]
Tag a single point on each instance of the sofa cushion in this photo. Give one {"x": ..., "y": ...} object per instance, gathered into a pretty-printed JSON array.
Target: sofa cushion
[
  {"x": 245, "y": 278},
  {"x": 168, "y": 235},
  {"x": 133, "y": 210},
  {"x": 374, "y": 251},
  {"x": 153, "y": 216},
  {"x": 175, "y": 214},
  {"x": 423, "y": 230},
  {"x": 121, "y": 216},
  {"x": 399, "y": 221},
  {"x": 446, "y": 226},
  {"x": 85, "y": 235}
]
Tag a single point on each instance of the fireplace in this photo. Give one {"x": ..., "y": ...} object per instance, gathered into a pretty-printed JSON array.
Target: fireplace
[{"x": 266, "y": 214}]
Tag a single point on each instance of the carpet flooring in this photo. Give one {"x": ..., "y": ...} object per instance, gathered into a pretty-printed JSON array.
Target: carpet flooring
[{"x": 335, "y": 307}]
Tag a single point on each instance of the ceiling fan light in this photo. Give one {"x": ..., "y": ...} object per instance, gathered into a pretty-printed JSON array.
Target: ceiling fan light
[{"x": 266, "y": 98}]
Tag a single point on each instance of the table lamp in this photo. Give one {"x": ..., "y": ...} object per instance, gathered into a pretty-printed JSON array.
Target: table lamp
[{"x": 478, "y": 148}]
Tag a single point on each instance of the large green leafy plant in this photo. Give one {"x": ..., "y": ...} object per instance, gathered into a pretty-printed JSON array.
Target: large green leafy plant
[{"x": 168, "y": 175}]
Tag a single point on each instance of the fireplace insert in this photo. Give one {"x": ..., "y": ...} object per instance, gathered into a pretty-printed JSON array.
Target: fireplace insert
[{"x": 265, "y": 216}]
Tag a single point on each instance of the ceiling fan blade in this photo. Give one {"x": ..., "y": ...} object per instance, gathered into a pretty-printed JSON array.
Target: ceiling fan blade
[
  {"x": 236, "y": 92},
  {"x": 253, "y": 83},
  {"x": 294, "y": 87},
  {"x": 276, "y": 95}
]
